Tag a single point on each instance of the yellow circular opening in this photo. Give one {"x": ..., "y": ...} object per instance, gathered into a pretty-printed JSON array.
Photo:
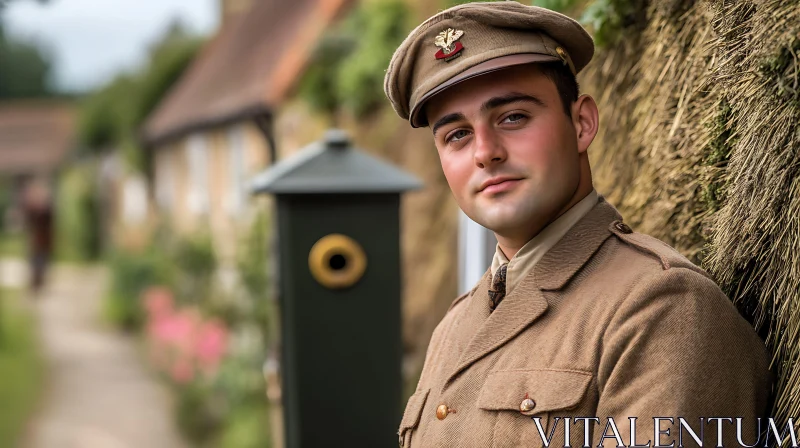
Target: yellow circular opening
[{"x": 337, "y": 261}]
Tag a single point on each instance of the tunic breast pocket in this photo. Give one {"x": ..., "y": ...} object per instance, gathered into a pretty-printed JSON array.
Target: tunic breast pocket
[
  {"x": 411, "y": 417},
  {"x": 521, "y": 397}
]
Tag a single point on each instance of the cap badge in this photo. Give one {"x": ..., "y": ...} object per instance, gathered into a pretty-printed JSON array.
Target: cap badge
[{"x": 450, "y": 47}]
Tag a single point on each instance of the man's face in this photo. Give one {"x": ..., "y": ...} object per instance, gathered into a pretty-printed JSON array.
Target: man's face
[{"x": 508, "y": 150}]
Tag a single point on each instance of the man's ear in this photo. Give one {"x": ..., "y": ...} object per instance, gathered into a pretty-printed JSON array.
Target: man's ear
[{"x": 586, "y": 120}]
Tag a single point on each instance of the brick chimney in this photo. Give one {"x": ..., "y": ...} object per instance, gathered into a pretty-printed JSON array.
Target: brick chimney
[{"x": 231, "y": 8}]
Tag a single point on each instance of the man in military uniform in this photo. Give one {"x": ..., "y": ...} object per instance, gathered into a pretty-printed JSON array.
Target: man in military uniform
[{"x": 578, "y": 316}]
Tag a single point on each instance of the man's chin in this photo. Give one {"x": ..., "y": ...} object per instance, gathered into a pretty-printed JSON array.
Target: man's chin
[{"x": 501, "y": 223}]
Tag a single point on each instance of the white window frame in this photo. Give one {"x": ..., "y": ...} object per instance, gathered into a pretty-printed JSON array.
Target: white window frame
[
  {"x": 476, "y": 247},
  {"x": 134, "y": 200},
  {"x": 237, "y": 163},
  {"x": 197, "y": 161},
  {"x": 165, "y": 180}
]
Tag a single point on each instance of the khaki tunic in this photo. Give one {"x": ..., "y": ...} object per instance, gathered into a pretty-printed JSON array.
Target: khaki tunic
[{"x": 608, "y": 323}]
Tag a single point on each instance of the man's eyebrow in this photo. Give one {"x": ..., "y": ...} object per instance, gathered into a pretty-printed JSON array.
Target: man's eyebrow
[
  {"x": 512, "y": 97},
  {"x": 490, "y": 104},
  {"x": 447, "y": 119}
]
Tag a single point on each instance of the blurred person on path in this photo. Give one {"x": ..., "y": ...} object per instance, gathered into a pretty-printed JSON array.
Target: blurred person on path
[
  {"x": 38, "y": 212},
  {"x": 579, "y": 319}
]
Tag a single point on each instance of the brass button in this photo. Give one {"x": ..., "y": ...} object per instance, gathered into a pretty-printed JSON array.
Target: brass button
[
  {"x": 441, "y": 411},
  {"x": 622, "y": 227},
  {"x": 527, "y": 405},
  {"x": 561, "y": 53}
]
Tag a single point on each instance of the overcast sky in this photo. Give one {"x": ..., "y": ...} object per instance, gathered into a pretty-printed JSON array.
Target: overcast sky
[{"x": 92, "y": 40}]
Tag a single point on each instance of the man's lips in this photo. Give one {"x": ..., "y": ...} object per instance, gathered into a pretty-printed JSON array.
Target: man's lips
[{"x": 498, "y": 184}]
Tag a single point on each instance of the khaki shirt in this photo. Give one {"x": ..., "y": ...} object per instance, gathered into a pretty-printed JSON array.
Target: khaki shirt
[
  {"x": 523, "y": 261},
  {"x": 608, "y": 323}
]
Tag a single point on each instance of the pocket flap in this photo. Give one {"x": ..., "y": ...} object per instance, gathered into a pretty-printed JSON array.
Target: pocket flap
[
  {"x": 413, "y": 410},
  {"x": 550, "y": 389}
]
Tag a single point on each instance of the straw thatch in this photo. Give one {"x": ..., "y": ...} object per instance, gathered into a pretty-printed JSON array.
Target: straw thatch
[{"x": 699, "y": 106}]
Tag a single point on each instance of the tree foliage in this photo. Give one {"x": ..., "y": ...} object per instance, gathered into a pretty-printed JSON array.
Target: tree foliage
[
  {"x": 111, "y": 116},
  {"x": 25, "y": 67}
]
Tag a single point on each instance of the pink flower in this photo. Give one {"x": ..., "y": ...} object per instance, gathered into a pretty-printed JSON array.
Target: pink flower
[
  {"x": 157, "y": 301},
  {"x": 179, "y": 340},
  {"x": 182, "y": 371},
  {"x": 210, "y": 345}
]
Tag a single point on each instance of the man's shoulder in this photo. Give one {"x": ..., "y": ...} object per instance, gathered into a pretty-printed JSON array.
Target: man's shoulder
[
  {"x": 651, "y": 274},
  {"x": 643, "y": 272},
  {"x": 645, "y": 247}
]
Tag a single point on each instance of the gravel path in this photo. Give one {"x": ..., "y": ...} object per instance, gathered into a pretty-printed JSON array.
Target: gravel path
[{"x": 97, "y": 392}]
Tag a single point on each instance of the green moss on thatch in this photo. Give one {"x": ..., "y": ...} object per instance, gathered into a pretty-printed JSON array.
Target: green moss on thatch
[
  {"x": 720, "y": 147},
  {"x": 716, "y": 155},
  {"x": 781, "y": 72}
]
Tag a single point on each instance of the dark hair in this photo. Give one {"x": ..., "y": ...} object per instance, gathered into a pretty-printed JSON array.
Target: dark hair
[{"x": 565, "y": 82}]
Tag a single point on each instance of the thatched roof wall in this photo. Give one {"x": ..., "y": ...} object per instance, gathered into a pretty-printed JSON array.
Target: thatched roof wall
[{"x": 700, "y": 105}]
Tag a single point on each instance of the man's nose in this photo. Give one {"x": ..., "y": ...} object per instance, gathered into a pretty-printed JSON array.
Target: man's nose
[{"x": 488, "y": 149}]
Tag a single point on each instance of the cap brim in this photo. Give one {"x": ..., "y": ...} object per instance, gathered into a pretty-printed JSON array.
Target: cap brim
[{"x": 489, "y": 66}]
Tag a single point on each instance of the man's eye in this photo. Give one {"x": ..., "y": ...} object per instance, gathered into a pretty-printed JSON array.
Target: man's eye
[
  {"x": 457, "y": 135},
  {"x": 514, "y": 118}
]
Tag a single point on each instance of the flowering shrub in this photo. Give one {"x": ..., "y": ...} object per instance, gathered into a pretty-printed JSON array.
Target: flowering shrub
[
  {"x": 181, "y": 342},
  {"x": 216, "y": 375},
  {"x": 207, "y": 338}
]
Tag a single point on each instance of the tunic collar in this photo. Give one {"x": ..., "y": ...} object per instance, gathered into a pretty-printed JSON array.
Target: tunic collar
[{"x": 526, "y": 258}]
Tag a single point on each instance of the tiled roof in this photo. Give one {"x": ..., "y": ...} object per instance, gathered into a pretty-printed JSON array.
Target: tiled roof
[
  {"x": 246, "y": 69},
  {"x": 35, "y": 135}
]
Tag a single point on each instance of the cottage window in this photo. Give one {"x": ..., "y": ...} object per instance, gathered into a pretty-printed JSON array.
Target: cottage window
[
  {"x": 165, "y": 183},
  {"x": 237, "y": 194},
  {"x": 134, "y": 200},
  {"x": 197, "y": 155}
]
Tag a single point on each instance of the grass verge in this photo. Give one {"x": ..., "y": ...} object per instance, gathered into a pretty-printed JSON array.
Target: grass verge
[
  {"x": 12, "y": 244},
  {"x": 20, "y": 367}
]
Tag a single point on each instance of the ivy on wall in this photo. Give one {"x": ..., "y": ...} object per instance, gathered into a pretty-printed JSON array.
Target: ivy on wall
[
  {"x": 347, "y": 69},
  {"x": 606, "y": 20}
]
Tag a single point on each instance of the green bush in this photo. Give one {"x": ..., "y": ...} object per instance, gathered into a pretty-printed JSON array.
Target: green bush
[
  {"x": 78, "y": 232},
  {"x": 196, "y": 264},
  {"x": 247, "y": 428},
  {"x": 199, "y": 416},
  {"x": 132, "y": 274}
]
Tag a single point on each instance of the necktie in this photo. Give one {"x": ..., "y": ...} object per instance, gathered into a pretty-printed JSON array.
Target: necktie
[{"x": 498, "y": 289}]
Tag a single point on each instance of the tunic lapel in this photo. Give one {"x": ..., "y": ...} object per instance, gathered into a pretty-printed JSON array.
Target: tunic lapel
[
  {"x": 474, "y": 316},
  {"x": 526, "y": 302},
  {"x": 517, "y": 310}
]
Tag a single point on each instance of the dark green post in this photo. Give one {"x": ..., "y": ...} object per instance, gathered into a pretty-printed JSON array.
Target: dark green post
[{"x": 339, "y": 294}]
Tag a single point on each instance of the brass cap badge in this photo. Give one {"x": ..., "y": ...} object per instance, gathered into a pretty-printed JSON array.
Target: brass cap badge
[{"x": 450, "y": 47}]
